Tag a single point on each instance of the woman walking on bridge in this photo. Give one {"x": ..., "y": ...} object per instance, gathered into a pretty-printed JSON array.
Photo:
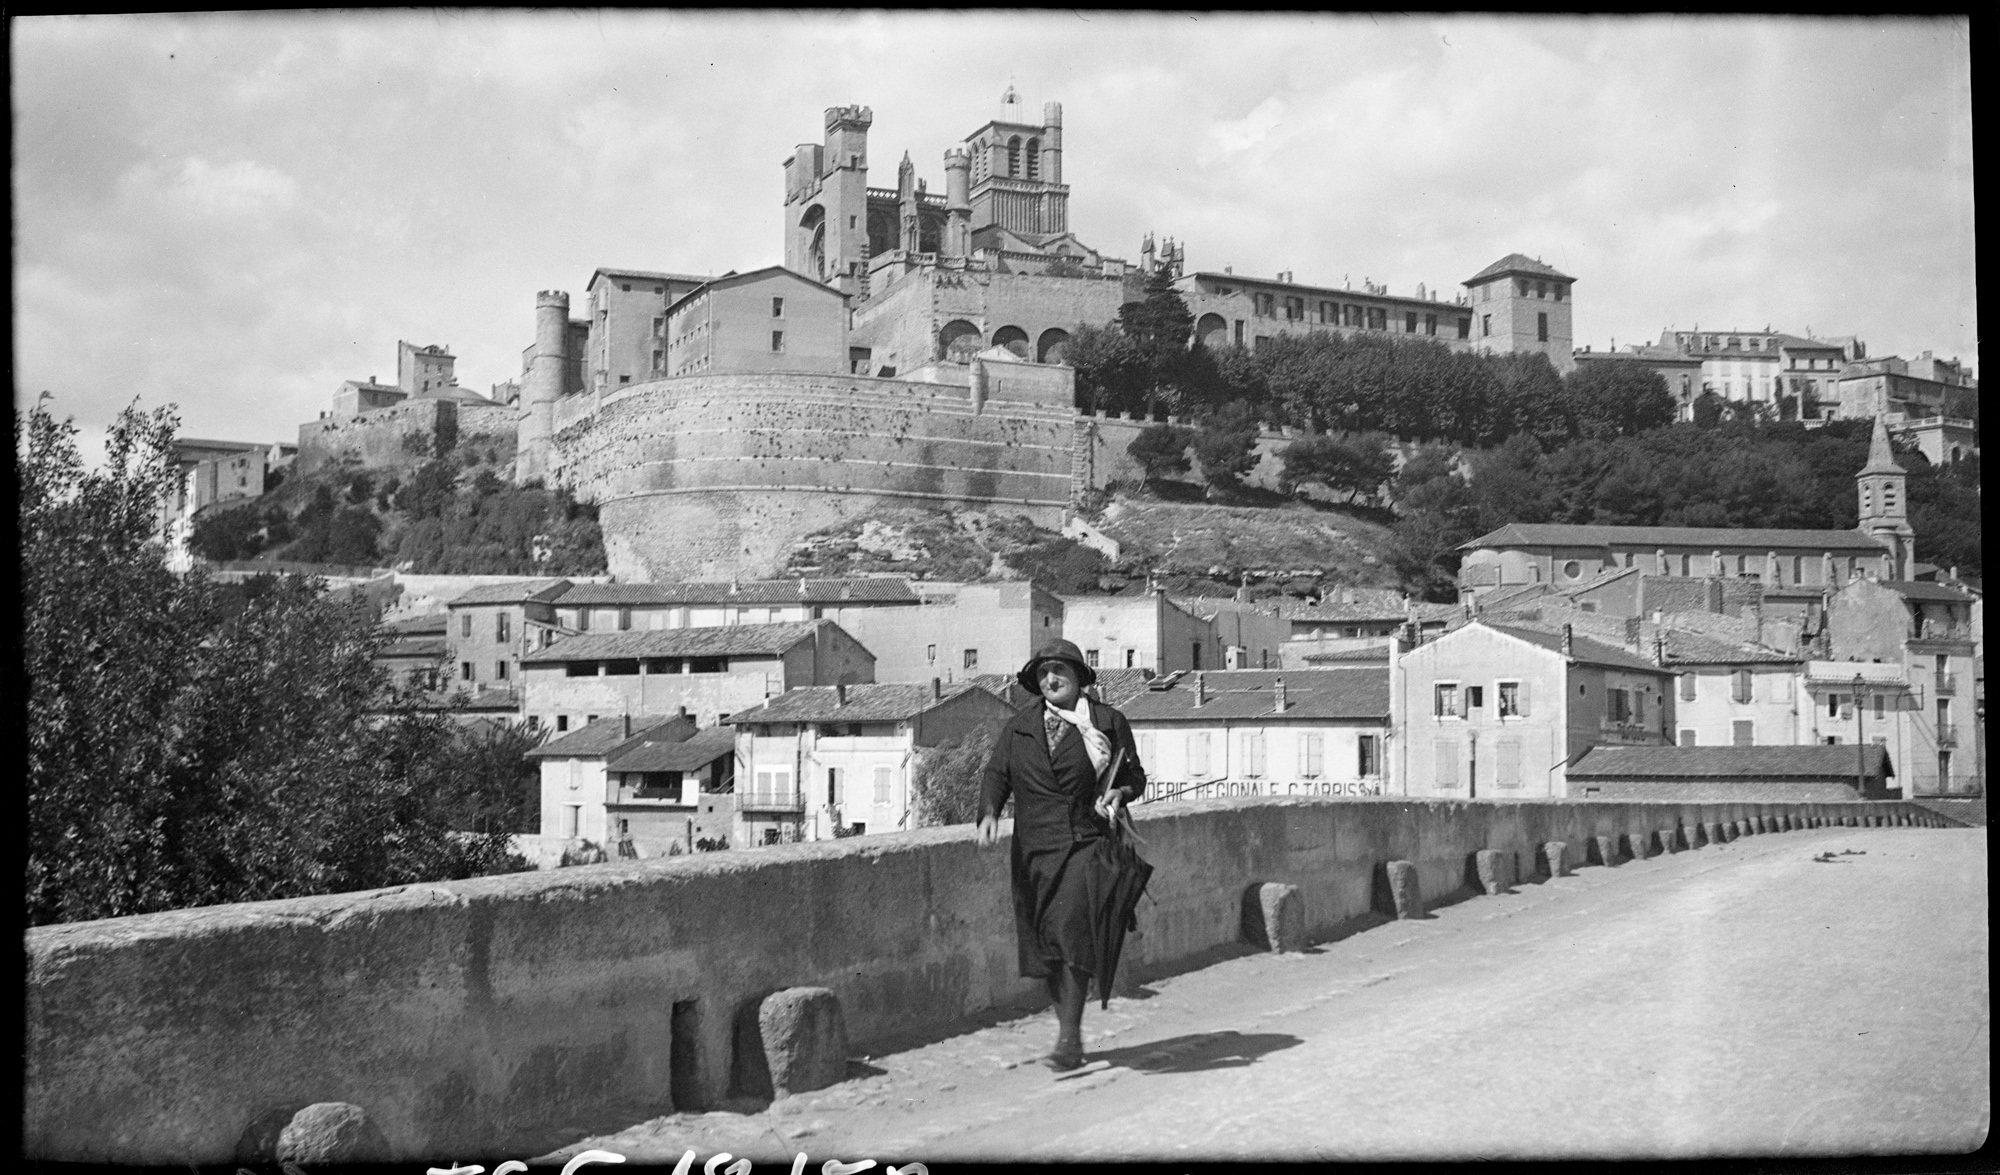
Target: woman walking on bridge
[{"x": 1070, "y": 765}]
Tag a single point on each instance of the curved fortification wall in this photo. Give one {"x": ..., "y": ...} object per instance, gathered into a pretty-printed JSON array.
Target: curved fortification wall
[{"x": 708, "y": 476}]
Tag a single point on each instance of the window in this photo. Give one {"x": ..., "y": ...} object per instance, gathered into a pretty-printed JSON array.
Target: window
[
  {"x": 1131, "y": 658},
  {"x": 1743, "y": 734},
  {"x": 1880, "y": 705},
  {"x": 562, "y": 723},
  {"x": 465, "y": 670},
  {"x": 930, "y": 652},
  {"x": 1475, "y": 697},
  {"x": 882, "y": 780},
  {"x": 777, "y": 340},
  {"x": 1378, "y": 318},
  {"x": 1368, "y": 756},
  {"x": 1253, "y": 752},
  {"x": 1312, "y": 754},
  {"x": 659, "y": 360},
  {"x": 499, "y": 671},
  {"x": 972, "y": 658},
  {"x": 1259, "y": 343},
  {"x": 777, "y": 308},
  {"x": 1239, "y": 332},
  {"x": 583, "y": 620},
  {"x": 1507, "y": 763},
  {"x": 1430, "y": 324},
  {"x": 1833, "y": 705},
  {"x": 1444, "y": 756},
  {"x": 1687, "y": 738},
  {"x": 1197, "y": 753},
  {"x": 1197, "y": 654},
  {"x": 1542, "y": 327},
  {"x": 1090, "y": 657},
  {"x": 1148, "y": 744},
  {"x": 571, "y": 815},
  {"x": 659, "y": 328},
  {"x": 1513, "y": 700},
  {"x": 1485, "y": 325},
  {"x": 624, "y": 619},
  {"x": 1465, "y": 328},
  {"x": 465, "y": 625},
  {"x": 1573, "y": 570},
  {"x": 1444, "y": 700},
  {"x": 1687, "y": 687},
  {"x": 1410, "y": 323},
  {"x": 1262, "y": 305},
  {"x": 501, "y": 627},
  {"x": 1618, "y": 705},
  {"x": 1486, "y": 292}
]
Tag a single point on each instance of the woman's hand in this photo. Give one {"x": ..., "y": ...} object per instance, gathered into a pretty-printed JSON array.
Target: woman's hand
[{"x": 989, "y": 831}]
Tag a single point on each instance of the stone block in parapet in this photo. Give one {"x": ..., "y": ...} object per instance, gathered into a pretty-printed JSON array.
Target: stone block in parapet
[
  {"x": 805, "y": 1039},
  {"x": 1274, "y": 917}
]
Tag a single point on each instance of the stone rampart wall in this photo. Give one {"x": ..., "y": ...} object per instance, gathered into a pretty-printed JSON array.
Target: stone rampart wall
[
  {"x": 457, "y": 1012},
  {"x": 716, "y": 475},
  {"x": 401, "y": 436}
]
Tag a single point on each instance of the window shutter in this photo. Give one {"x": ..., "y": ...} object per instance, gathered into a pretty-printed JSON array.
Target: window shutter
[
  {"x": 1742, "y": 683},
  {"x": 1445, "y": 758},
  {"x": 1687, "y": 687},
  {"x": 1522, "y": 694},
  {"x": 1507, "y": 767},
  {"x": 1745, "y": 733}
]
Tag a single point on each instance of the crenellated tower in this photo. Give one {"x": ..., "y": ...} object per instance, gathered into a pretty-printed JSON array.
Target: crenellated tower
[
  {"x": 1884, "y": 507},
  {"x": 826, "y": 201}
]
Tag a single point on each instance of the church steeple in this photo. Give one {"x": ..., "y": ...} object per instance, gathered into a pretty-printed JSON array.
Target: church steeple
[{"x": 1884, "y": 509}]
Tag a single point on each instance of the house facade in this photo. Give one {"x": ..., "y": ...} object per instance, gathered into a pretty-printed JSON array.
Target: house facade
[
  {"x": 1206, "y": 734},
  {"x": 1146, "y": 631},
  {"x": 837, "y": 760},
  {"x": 958, "y": 631},
  {"x": 1730, "y": 693},
  {"x": 708, "y": 672},
  {"x": 491, "y": 627},
  {"x": 1925, "y": 632},
  {"x": 1498, "y": 711},
  {"x": 1565, "y": 555},
  {"x": 577, "y": 789}
]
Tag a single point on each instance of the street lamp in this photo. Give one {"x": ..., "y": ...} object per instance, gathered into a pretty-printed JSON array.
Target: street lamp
[{"x": 1860, "y": 745}]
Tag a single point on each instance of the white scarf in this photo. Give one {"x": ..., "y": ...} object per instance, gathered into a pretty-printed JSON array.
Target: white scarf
[{"x": 1095, "y": 744}]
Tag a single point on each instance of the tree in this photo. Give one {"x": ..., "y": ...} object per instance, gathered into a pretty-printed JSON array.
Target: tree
[
  {"x": 1161, "y": 325},
  {"x": 1112, "y": 371},
  {"x": 1707, "y": 409},
  {"x": 493, "y": 785},
  {"x": 1226, "y": 445},
  {"x": 1356, "y": 464},
  {"x": 1162, "y": 450},
  {"x": 191, "y": 743},
  {"x": 1435, "y": 515},
  {"x": 945, "y": 782},
  {"x": 1613, "y": 399}
]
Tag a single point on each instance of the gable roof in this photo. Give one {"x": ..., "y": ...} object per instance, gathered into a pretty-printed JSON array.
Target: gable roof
[
  {"x": 1562, "y": 534},
  {"x": 1707, "y": 764},
  {"x": 1360, "y": 691},
  {"x": 755, "y": 275},
  {"x": 1517, "y": 263},
  {"x": 1367, "y": 604},
  {"x": 759, "y": 593},
  {"x": 733, "y": 640},
  {"x": 1690, "y": 648},
  {"x": 1913, "y": 589},
  {"x": 689, "y": 754},
  {"x": 648, "y": 274},
  {"x": 883, "y": 702},
  {"x": 1583, "y": 650},
  {"x": 538, "y": 590},
  {"x": 599, "y": 738}
]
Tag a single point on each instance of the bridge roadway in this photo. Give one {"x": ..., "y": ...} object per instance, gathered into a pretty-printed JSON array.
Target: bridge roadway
[{"x": 1740, "y": 999}]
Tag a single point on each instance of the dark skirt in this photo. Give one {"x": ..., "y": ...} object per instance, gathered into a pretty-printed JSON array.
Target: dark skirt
[{"x": 1054, "y": 914}]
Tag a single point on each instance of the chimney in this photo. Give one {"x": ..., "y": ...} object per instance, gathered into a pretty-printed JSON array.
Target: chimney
[
  {"x": 628, "y": 724},
  {"x": 1278, "y": 688},
  {"x": 1200, "y": 689},
  {"x": 1569, "y": 642},
  {"x": 937, "y": 689},
  {"x": 840, "y": 693},
  {"x": 1632, "y": 633},
  {"x": 1660, "y": 648}
]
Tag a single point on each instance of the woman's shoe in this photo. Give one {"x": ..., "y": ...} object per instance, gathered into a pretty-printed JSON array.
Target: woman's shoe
[{"x": 1064, "y": 1060}]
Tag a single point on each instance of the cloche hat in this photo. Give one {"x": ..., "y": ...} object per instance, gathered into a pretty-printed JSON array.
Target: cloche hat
[{"x": 1055, "y": 651}]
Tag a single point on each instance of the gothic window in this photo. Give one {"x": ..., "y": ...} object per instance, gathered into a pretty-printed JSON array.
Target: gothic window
[{"x": 1034, "y": 159}]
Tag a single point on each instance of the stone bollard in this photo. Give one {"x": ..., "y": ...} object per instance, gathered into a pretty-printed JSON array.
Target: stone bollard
[
  {"x": 805, "y": 1039},
  {"x": 1555, "y": 858},
  {"x": 1695, "y": 836},
  {"x": 329, "y": 1133},
  {"x": 1758, "y": 825},
  {"x": 1635, "y": 845},
  {"x": 1274, "y": 917},
  {"x": 1607, "y": 849},
  {"x": 1715, "y": 833},
  {"x": 1495, "y": 870},
  {"x": 1404, "y": 889},
  {"x": 1670, "y": 840}
]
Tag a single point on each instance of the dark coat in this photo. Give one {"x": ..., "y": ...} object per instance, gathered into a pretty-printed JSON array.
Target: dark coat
[{"x": 1058, "y": 840}]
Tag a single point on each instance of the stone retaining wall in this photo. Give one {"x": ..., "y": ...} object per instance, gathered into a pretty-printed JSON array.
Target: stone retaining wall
[{"x": 453, "y": 1013}]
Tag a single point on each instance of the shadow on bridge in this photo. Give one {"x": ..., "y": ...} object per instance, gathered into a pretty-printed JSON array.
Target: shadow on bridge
[{"x": 1198, "y": 1053}]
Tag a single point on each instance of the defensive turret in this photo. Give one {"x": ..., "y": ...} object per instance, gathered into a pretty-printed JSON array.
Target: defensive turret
[{"x": 544, "y": 385}]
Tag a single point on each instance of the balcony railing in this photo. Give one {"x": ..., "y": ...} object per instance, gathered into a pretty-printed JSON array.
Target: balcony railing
[
  {"x": 1947, "y": 738},
  {"x": 1947, "y": 683},
  {"x": 774, "y": 800}
]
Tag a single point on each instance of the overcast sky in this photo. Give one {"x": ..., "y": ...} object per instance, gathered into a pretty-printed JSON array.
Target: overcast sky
[{"x": 235, "y": 213}]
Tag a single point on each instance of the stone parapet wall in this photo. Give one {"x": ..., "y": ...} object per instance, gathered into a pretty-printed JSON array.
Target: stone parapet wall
[
  {"x": 454, "y": 1013},
  {"x": 715, "y": 475},
  {"x": 401, "y": 436}
]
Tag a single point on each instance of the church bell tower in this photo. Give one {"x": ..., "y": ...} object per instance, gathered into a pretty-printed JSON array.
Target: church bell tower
[{"x": 1884, "y": 504}]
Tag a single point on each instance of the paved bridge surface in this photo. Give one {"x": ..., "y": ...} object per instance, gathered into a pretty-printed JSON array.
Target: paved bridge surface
[{"x": 1754, "y": 998}]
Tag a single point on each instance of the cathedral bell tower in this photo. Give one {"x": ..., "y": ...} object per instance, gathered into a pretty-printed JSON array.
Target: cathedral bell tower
[
  {"x": 1884, "y": 508},
  {"x": 826, "y": 202}
]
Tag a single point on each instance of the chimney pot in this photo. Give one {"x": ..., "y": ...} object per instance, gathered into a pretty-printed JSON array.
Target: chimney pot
[
  {"x": 628, "y": 724},
  {"x": 937, "y": 689},
  {"x": 840, "y": 693},
  {"x": 1569, "y": 641},
  {"x": 1200, "y": 689},
  {"x": 1278, "y": 688}
]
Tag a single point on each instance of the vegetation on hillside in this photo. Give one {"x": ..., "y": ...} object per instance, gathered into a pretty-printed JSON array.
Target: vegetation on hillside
[
  {"x": 456, "y": 514},
  {"x": 191, "y": 743},
  {"x": 962, "y": 546}
]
